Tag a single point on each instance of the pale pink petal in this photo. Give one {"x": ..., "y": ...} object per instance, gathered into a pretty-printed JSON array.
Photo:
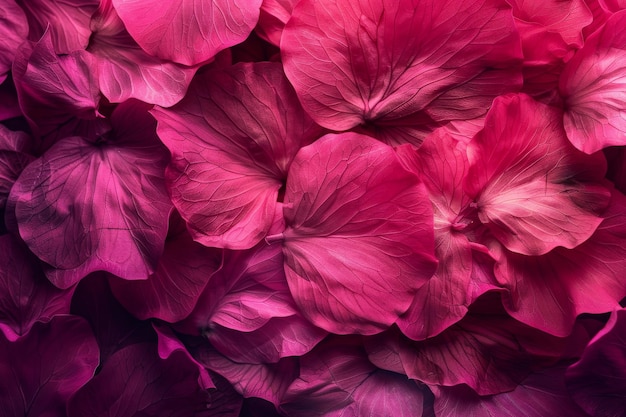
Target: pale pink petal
[
  {"x": 355, "y": 63},
  {"x": 189, "y": 32},
  {"x": 359, "y": 237},
  {"x": 592, "y": 86},
  {"x": 232, "y": 140},
  {"x": 532, "y": 189}
]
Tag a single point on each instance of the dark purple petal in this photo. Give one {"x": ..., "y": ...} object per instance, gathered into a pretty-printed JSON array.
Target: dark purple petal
[{"x": 41, "y": 370}]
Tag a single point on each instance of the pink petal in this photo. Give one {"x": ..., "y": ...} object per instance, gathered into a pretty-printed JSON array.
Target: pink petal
[
  {"x": 337, "y": 380},
  {"x": 189, "y": 32},
  {"x": 247, "y": 312},
  {"x": 597, "y": 382},
  {"x": 355, "y": 63},
  {"x": 113, "y": 327},
  {"x": 232, "y": 140},
  {"x": 13, "y": 32},
  {"x": 548, "y": 292},
  {"x": 443, "y": 165},
  {"x": 59, "y": 95},
  {"x": 67, "y": 22},
  {"x": 267, "y": 381},
  {"x": 359, "y": 241},
  {"x": 171, "y": 293},
  {"x": 41, "y": 370},
  {"x": 136, "y": 381},
  {"x": 531, "y": 188},
  {"x": 15, "y": 148},
  {"x": 488, "y": 351},
  {"x": 127, "y": 71},
  {"x": 592, "y": 85},
  {"x": 541, "y": 394},
  {"x": 26, "y": 295},
  {"x": 106, "y": 201},
  {"x": 274, "y": 15}
]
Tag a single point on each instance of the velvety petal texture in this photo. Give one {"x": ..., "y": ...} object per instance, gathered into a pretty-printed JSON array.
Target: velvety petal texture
[
  {"x": 376, "y": 62},
  {"x": 592, "y": 86},
  {"x": 232, "y": 140},
  {"x": 41, "y": 370},
  {"x": 359, "y": 239},
  {"x": 188, "y": 31},
  {"x": 532, "y": 189},
  {"x": 598, "y": 380},
  {"x": 26, "y": 296},
  {"x": 106, "y": 200}
]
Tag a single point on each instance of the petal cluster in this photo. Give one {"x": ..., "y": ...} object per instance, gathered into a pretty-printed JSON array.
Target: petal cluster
[{"x": 281, "y": 208}]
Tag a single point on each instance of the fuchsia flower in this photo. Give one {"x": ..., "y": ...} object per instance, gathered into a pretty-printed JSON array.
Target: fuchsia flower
[{"x": 282, "y": 208}]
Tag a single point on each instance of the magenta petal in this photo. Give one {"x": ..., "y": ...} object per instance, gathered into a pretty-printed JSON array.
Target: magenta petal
[
  {"x": 59, "y": 95},
  {"x": 267, "y": 381},
  {"x": 106, "y": 201},
  {"x": 247, "y": 311},
  {"x": 597, "y": 382},
  {"x": 491, "y": 353},
  {"x": 353, "y": 62},
  {"x": 232, "y": 140},
  {"x": 127, "y": 71},
  {"x": 359, "y": 239},
  {"x": 188, "y": 31},
  {"x": 592, "y": 85},
  {"x": 68, "y": 22},
  {"x": 171, "y": 293},
  {"x": 26, "y": 296},
  {"x": 548, "y": 292},
  {"x": 337, "y": 380},
  {"x": 41, "y": 370},
  {"x": 13, "y": 31},
  {"x": 169, "y": 345},
  {"x": 442, "y": 164},
  {"x": 136, "y": 381},
  {"x": 541, "y": 394},
  {"x": 531, "y": 188},
  {"x": 274, "y": 15},
  {"x": 15, "y": 155}
]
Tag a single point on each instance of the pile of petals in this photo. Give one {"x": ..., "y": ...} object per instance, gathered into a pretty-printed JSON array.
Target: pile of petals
[{"x": 296, "y": 208}]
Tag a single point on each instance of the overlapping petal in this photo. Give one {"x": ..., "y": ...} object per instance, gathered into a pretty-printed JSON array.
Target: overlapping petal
[
  {"x": 106, "y": 200},
  {"x": 592, "y": 85},
  {"x": 355, "y": 63},
  {"x": 359, "y": 239},
  {"x": 189, "y": 32},
  {"x": 531, "y": 188},
  {"x": 232, "y": 140}
]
